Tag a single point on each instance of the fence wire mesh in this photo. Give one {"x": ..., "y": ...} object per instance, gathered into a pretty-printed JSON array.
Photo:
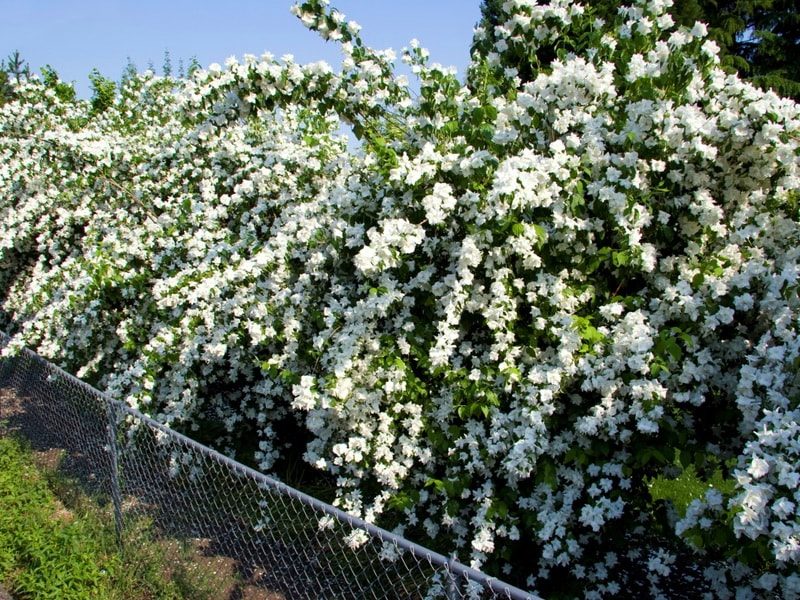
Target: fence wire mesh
[{"x": 277, "y": 542}]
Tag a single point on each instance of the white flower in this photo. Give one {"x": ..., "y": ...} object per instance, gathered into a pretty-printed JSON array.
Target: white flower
[
  {"x": 699, "y": 29},
  {"x": 304, "y": 395},
  {"x": 592, "y": 516},
  {"x": 439, "y": 203},
  {"x": 356, "y": 539},
  {"x": 784, "y": 508},
  {"x": 758, "y": 467}
]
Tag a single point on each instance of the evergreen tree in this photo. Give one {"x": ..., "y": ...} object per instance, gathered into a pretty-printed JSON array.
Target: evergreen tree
[
  {"x": 166, "y": 66},
  {"x": 758, "y": 38},
  {"x": 726, "y": 20},
  {"x": 13, "y": 69},
  {"x": 194, "y": 65},
  {"x": 128, "y": 73},
  {"x": 16, "y": 67},
  {"x": 771, "y": 46}
]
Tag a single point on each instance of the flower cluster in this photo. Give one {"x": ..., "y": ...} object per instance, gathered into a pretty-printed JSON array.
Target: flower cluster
[{"x": 495, "y": 321}]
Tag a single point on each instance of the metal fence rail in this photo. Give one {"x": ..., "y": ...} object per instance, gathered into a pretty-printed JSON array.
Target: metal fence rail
[{"x": 278, "y": 538}]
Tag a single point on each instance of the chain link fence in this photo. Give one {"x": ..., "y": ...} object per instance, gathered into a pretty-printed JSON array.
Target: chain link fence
[{"x": 279, "y": 540}]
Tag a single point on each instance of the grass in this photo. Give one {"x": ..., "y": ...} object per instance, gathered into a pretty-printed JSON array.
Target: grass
[{"x": 56, "y": 542}]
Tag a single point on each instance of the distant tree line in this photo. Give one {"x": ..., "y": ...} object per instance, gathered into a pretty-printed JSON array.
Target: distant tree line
[
  {"x": 15, "y": 69},
  {"x": 167, "y": 68},
  {"x": 759, "y": 39}
]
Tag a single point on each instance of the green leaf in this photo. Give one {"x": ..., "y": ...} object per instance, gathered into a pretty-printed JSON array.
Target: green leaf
[
  {"x": 404, "y": 500},
  {"x": 541, "y": 233},
  {"x": 437, "y": 484},
  {"x": 576, "y": 455},
  {"x": 620, "y": 259},
  {"x": 498, "y": 509},
  {"x": 492, "y": 398},
  {"x": 546, "y": 472}
]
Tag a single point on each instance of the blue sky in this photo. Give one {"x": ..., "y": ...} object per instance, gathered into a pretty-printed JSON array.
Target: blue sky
[{"x": 75, "y": 36}]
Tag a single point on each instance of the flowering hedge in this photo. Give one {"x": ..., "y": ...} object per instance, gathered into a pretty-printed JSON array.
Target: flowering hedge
[{"x": 550, "y": 326}]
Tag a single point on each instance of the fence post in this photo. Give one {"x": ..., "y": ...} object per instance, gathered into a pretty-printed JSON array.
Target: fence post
[
  {"x": 116, "y": 496},
  {"x": 452, "y": 588}
]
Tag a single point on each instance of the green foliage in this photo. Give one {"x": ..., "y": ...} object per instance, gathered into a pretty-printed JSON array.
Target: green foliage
[
  {"x": 727, "y": 23},
  {"x": 771, "y": 45},
  {"x": 64, "y": 91},
  {"x": 759, "y": 39},
  {"x": 687, "y": 487},
  {"x": 546, "y": 308},
  {"x": 528, "y": 63},
  {"x": 103, "y": 92},
  {"x": 56, "y": 542},
  {"x": 43, "y": 557},
  {"x": 5, "y": 88}
]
